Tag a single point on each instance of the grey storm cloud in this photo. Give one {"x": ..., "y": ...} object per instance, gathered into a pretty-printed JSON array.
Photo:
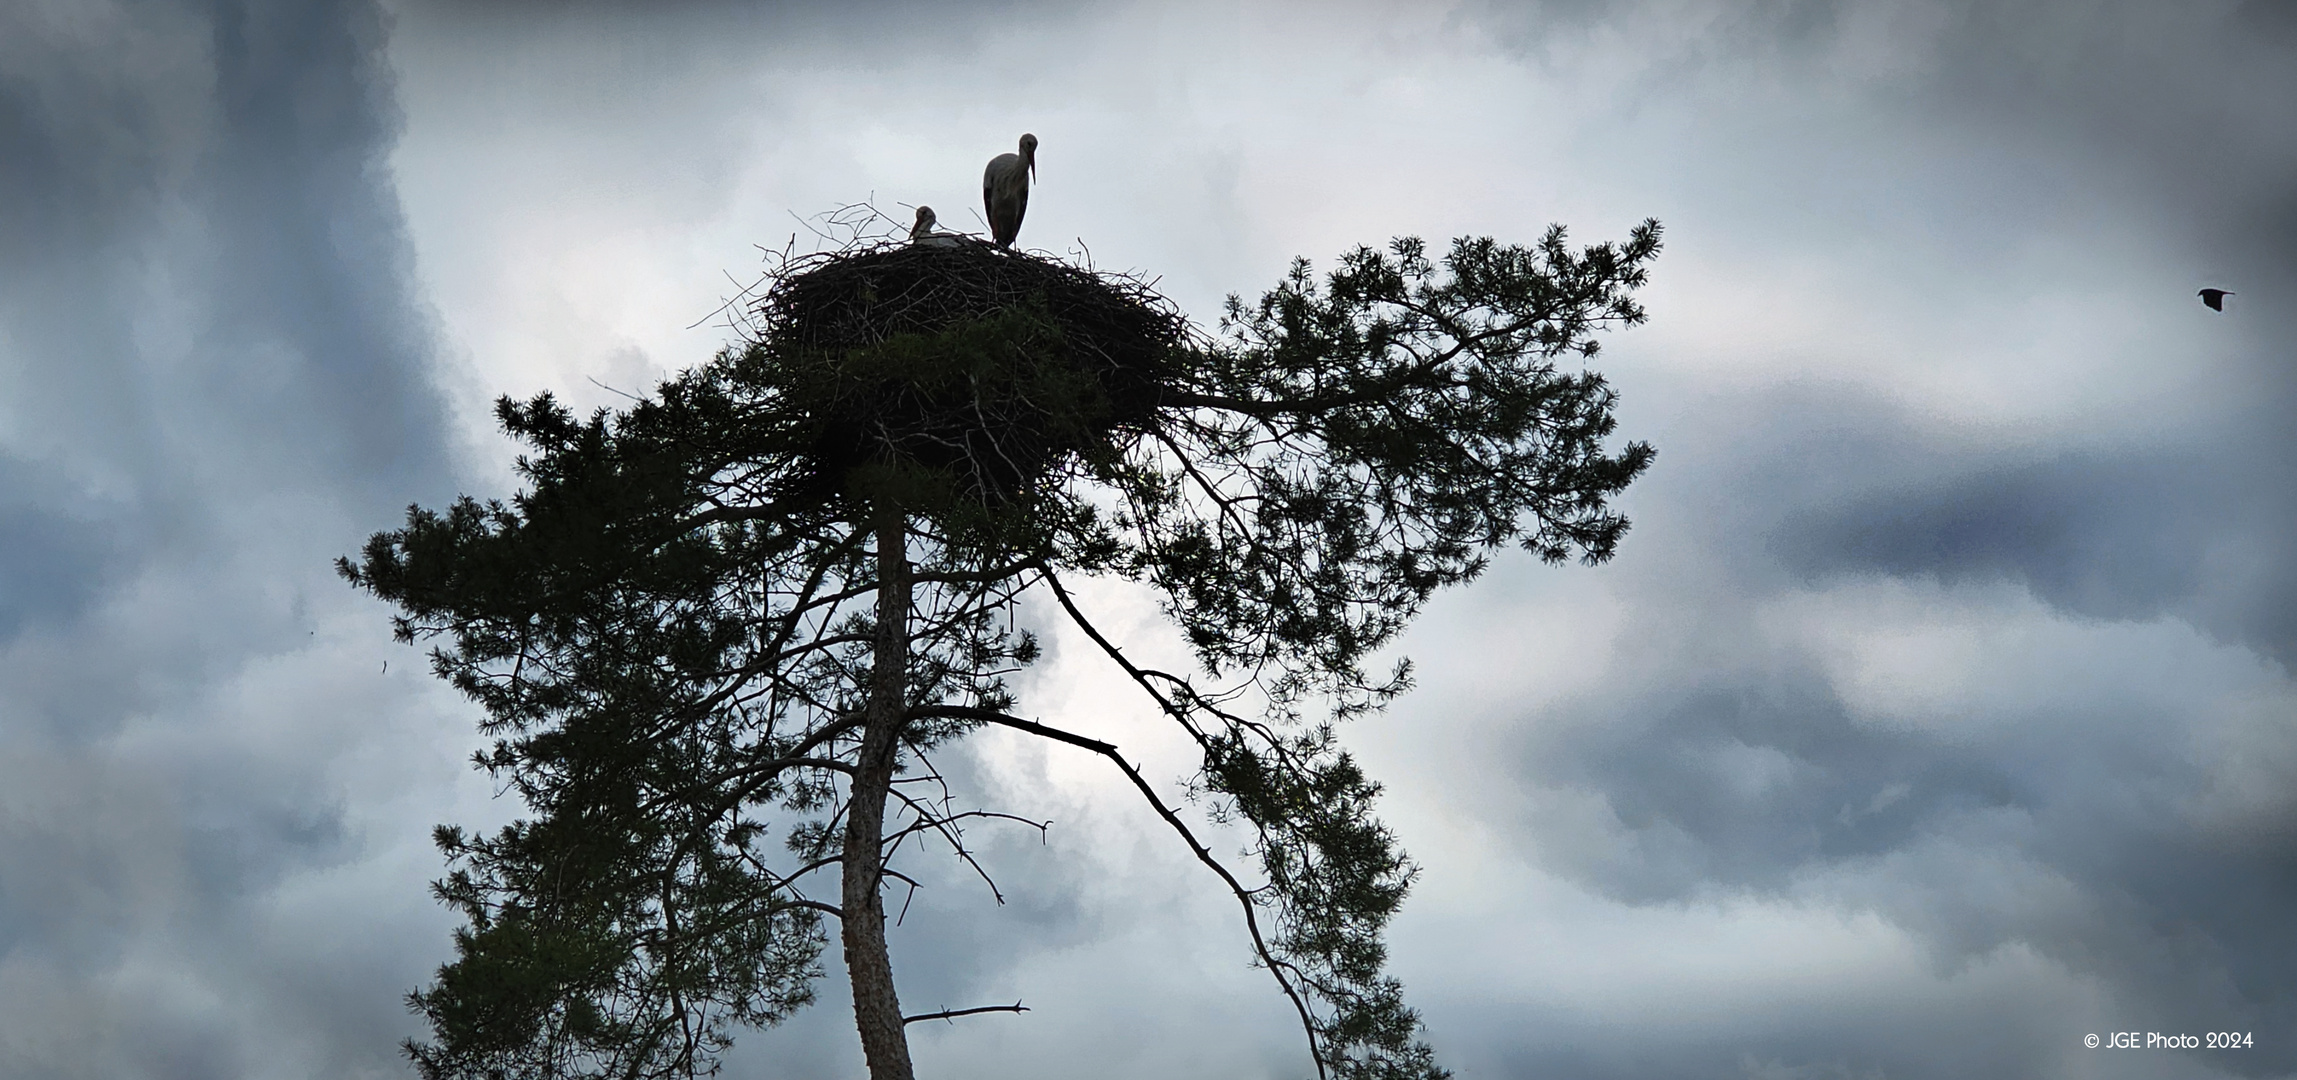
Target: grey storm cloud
[
  {"x": 2068, "y": 828},
  {"x": 1729, "y": 763},
  {"x": 213, "y": 347},
  {"x": 201, "y": 229},
  {"x": 59, "y": 549},
  {"x": 2191, "y": 111},
  {"x": 2199, "y": 531},
  {"x": 215, "y": 375}
]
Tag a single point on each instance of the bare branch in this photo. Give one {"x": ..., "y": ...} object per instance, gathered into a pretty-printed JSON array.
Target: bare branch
[
  {"x": 945, "y": 1014},
  {"x": 1276, "y": 966}
]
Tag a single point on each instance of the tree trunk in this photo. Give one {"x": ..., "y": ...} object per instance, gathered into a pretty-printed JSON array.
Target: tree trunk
[{"x": 876, "y": 1010}]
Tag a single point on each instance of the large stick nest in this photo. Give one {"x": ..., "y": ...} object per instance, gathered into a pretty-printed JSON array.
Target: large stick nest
[{"x": 978, "y": 368}]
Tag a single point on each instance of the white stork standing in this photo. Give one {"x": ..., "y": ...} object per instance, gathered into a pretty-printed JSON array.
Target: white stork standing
[{"x": 1005, "y": 190}]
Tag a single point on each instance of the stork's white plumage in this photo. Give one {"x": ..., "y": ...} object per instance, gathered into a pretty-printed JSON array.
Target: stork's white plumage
[
  {"x": 923, "y": 232},
  {"x": 1005, "y": 190}
]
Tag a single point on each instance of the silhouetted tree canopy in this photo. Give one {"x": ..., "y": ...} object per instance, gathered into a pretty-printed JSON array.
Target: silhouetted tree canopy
[{"x": 721, "y": 632}]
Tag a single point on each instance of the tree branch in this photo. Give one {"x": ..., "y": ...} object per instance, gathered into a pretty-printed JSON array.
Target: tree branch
[
  {"x": 1276, "y": 966},
  {"x": 816, "y": 905},
  {"x": 945, "y": 1014}
]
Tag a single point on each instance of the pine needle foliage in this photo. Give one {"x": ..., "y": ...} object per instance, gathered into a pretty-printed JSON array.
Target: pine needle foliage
[{"x": 678, "y": 631}]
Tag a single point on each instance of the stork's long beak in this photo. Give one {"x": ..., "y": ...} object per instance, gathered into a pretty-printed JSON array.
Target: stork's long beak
[{"x": 1032, "y": 170}]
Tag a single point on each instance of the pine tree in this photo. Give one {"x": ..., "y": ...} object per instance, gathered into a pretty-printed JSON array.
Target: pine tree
[{"x": 721, "y": 630}]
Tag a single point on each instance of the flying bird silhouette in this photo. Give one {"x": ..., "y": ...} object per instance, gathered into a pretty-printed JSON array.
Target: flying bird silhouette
[
  {"x": 2215, "y": 298},
  {"x": 1005, "y": 190}
]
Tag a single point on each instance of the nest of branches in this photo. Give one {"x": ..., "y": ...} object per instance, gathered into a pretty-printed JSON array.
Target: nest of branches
[{"x": 975, "y": 369}]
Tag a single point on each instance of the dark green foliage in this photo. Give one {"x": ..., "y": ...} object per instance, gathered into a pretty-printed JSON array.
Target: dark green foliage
[
  {"x": 670, "y": 630},
  {"x": 1351, "y": 446},
  {"x": 1335, "y": 877},
  {"x": 666, "y": 649},
  {"x": 1357, "y": 444},
  {"x": 582, "y": 974}
]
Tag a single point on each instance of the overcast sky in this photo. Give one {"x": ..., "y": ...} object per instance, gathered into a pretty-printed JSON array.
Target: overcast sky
[{"x": 1937, "y": 712}]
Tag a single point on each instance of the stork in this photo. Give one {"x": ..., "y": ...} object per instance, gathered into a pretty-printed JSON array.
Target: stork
[
  {"x": 1005, "y": 190},
  {"x": 2215, "y": 298},
  {"x": 923, "y": 232}
]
